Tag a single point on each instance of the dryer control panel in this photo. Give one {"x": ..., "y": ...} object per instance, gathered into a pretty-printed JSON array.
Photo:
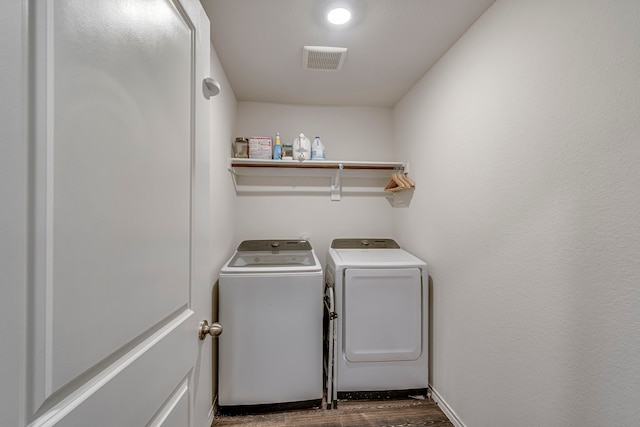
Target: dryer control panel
[{"x": 364, "y": 244}]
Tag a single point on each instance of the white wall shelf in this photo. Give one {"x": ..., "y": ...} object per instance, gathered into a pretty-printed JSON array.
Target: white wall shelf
[{"x": 332, "y": 177}]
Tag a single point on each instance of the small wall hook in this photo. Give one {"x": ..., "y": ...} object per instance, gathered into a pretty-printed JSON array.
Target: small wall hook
[{"x": 210, "y": 87}]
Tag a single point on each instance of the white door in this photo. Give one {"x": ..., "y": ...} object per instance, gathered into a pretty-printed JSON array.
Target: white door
[{"x": 105, "y": 240}]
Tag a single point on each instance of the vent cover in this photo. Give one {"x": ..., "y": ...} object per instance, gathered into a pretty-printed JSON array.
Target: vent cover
[{"x": 323, "y": 58}]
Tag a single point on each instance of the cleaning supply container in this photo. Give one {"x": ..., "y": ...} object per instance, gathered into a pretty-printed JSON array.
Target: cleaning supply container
[
  {"x": 302, "y": 148},
  {"x": 277, "y": 148},
  {"x": 317, "y": 149}
]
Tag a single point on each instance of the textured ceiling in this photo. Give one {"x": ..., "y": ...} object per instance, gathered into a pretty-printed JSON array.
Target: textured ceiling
[{"x": 391, "y": 45}]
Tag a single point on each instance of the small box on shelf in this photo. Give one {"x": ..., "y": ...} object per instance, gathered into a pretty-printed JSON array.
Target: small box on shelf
[{"x": 260, "y": 147}]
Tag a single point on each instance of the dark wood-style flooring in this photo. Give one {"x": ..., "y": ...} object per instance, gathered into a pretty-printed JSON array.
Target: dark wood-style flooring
[{"x": 404, "y": 412}]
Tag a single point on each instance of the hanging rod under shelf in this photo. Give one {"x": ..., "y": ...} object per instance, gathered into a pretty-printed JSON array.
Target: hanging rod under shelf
[{"x": 315, "y": 164}]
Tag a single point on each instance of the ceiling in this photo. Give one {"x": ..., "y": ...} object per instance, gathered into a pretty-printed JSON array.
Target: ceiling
[{"x": 391, "y": 45}]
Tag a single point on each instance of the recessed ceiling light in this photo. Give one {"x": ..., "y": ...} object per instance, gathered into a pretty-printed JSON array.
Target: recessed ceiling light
[{"x": 339, "y": 16}]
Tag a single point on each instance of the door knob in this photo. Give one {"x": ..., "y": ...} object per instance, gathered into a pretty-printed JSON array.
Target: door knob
[{"x": 214, "y": 329}]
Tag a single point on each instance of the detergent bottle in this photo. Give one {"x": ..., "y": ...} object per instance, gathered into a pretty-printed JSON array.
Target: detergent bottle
[
  {"x": 302, "y": 148},
  {"x": 317, "y": 149}
]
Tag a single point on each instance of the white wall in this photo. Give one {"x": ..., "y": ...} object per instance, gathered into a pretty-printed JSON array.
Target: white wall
[
  {"x": 223, "y": 206},
  {"x": 525, "y": 143},
  {"x": 223, "y": 201},
  {"x": 348, "y": 133}
]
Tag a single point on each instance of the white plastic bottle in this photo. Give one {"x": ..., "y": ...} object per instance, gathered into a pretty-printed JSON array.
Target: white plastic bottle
[
  {"x": 317, "y": 149},
  {"x": 302, "y": 148}
]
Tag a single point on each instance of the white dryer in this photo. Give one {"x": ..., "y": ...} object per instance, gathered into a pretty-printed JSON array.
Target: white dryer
[
  {"x": 270, "y": 304},
  {"x": 381, "y": 320}
]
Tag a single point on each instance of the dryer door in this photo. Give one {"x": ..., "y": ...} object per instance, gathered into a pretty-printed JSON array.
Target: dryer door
[{"x": 382, "y": 315}]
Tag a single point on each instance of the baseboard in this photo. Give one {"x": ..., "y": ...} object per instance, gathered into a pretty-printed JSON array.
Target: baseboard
[{"x": 450, "y": 413}]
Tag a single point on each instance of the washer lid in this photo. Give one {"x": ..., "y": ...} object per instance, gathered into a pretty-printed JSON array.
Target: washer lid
[
  {"x": 272, "y": 256},
  {"x": 257, "y": 259}
]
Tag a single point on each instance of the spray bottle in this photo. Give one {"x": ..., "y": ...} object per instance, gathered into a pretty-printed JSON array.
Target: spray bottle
[{"x": 277, "y": 148}]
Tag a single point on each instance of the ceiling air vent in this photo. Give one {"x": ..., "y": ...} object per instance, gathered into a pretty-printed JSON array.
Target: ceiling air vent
[{"x": 323, "y": 58}]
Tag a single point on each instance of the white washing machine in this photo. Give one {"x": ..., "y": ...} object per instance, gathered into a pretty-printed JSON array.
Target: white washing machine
[
  {"x": 270, "y": 305},
  {"x": 380, "y": 320}
]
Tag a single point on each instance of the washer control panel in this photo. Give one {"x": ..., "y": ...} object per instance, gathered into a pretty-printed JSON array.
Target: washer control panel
[{"x": 274, "y": 245}]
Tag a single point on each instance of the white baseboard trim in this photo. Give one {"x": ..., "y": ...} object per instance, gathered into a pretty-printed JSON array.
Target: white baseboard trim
[{"x": 450, "y": 413}]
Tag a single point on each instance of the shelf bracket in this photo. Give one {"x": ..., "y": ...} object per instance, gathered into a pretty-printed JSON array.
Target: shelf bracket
[
  {"x": 335, "y": 184},
  {"x": 234, "y": 177}
]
